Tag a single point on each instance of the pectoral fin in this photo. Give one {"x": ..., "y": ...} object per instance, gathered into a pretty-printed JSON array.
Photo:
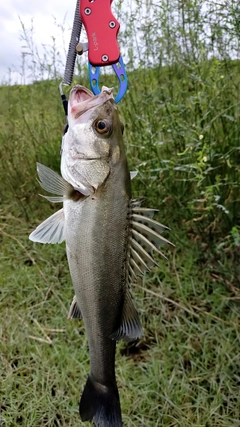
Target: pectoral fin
[
  {"x": 53, "y": 183},
  {"x": 51, "y": 230}
]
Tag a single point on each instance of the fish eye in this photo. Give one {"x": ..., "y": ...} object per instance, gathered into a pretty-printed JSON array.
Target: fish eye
[{"x": 103, "y": 127}]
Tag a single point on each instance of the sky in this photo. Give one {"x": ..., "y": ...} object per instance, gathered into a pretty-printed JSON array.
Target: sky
[{"x": 44, "y": 17}]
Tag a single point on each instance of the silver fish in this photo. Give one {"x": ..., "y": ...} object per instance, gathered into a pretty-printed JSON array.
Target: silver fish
[{"x": 110, "y": 240}]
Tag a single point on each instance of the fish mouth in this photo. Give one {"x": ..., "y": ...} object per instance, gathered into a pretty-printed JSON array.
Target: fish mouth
[{"x": 81, "y": 100}]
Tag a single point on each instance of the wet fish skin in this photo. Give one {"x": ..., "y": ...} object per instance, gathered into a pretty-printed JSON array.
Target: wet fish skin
[
  {"x": 96, "y": 241},
  {"x": 110, "y": 240}
]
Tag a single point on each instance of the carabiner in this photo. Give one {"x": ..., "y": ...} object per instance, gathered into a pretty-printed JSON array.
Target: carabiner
[{"x": 119, "y": 69}]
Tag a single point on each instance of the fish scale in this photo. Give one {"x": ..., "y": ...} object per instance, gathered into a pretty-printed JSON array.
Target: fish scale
[{"x": 110, "y": 241}]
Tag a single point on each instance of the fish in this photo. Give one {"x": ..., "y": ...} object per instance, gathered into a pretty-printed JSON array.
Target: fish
[{"x": 110, "y": 240}]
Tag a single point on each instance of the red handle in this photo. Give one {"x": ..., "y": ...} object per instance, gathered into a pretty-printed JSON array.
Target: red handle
[{"x": 102, "y": 29}]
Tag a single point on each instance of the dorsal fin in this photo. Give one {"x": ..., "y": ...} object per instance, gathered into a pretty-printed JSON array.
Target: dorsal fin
[
  {"x": 130, "y": 328},
  {"x": 145, "y": 239}
]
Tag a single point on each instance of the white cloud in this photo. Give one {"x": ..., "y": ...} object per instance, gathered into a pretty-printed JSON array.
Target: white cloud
[{"x": 45, "y": 17}]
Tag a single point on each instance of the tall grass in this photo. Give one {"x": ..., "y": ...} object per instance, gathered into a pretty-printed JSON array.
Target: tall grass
[
  {"x": 181, "y": 115},
  {"x": 186, "y": 106}
]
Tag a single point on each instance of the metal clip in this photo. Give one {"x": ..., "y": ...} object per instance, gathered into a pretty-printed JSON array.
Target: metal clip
[
  {"x": 102, "y": 30},
  {"x": 119, "y": 69},
  {"x": 81, "y": 48}
]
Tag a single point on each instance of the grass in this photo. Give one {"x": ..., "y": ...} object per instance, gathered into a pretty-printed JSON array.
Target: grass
[
  {"x": 184, "y": 372},
  {"x": 182, "y": 134}
]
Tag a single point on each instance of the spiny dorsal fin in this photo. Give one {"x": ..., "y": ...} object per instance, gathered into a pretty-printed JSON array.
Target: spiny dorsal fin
[
  {"x": 139, "y": 260},
  {"x": 51, "y": 230},
  {"x": 145, "y": 239},
  {"x": 144, "y": 211},
  {"x": 130, "y": 328},
  {"x": 145, "y": 256},
  {"x": 132, "y": 276},
  {"x": 149, "y": 222},
  {"x": 146, "y": 243},
  {"x": 74, "y": 311},
  {"x": 154, "y": 237},
  {"x": 138, "y": 270}
]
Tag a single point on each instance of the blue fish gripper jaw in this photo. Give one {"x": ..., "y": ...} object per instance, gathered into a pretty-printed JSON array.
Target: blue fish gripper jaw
[{"x": 119, "y": 69}]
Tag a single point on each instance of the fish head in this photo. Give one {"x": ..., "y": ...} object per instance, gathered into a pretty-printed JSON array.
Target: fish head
[
  {"x": 95, "y": 130},
  {"x": 93, "y": 144}
]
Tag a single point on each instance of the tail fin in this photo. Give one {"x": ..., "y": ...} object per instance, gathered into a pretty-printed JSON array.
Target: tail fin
[{"x": 101, "y": 404}]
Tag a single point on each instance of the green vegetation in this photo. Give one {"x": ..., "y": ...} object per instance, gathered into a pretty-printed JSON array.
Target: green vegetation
[{"x": 182, "y": 130}]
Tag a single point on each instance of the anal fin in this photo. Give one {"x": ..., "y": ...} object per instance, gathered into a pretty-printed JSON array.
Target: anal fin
[{"x": 74, "y": 311}]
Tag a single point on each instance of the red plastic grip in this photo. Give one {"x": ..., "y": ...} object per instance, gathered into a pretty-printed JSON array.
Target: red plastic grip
[{"x": 102, "y": 29}]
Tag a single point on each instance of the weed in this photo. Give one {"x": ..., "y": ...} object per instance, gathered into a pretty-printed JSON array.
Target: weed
[{"x": 181, "y": 117}]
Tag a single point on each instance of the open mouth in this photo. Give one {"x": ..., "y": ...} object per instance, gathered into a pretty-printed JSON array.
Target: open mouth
[
  {"x": 80, "y": 94},
  {"x": 82, "y": 100}
]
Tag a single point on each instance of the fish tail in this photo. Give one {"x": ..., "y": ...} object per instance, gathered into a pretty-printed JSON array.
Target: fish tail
[{"x": 100, "y": 403}]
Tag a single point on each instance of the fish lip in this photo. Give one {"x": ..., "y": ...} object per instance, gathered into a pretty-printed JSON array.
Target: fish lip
[
  {"x": 81, "y": 100},
  {"x": 80, "y": 113},
  {"x": 85, "y": 110}
]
